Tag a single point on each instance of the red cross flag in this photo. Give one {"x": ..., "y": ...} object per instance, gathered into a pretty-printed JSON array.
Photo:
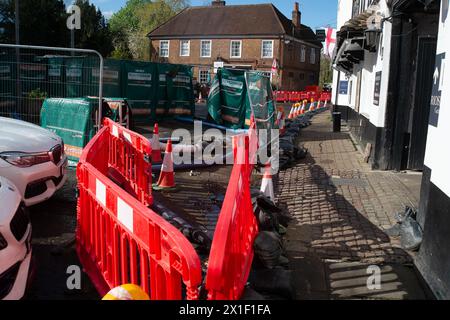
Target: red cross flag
[
  {"x": 275, "y": 67},
  {"x": 330, "y": 41}
]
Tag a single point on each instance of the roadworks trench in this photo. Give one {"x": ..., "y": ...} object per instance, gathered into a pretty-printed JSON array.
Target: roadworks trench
[{"x": 197, "y": 200}]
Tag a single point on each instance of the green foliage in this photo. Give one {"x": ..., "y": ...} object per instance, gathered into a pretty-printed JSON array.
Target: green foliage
[
  {"x": 95, "y": 33},
  {"x": 44, "y": 23},
  {"x": 40, "y": 24},
  {"x": 37, "y": 94},
  {"x": 326, "y": 72},
  {"x": 135, "y": 20}
]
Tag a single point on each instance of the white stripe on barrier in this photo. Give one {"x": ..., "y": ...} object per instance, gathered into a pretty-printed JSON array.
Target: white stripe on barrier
[
  {"x": 100, "y": 192},
  {"x": 127, "y": 136},
  {"x": 115, "y": 131},
  {"x": 125, "y": 214}
]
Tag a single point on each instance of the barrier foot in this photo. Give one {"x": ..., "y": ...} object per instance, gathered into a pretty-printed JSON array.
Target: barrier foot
[{"x": 155, "y": 187}]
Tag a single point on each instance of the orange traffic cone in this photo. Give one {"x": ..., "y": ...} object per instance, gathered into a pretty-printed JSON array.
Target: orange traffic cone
[
  {"x": 156, "y": 147},
  {"x": 318, "y": 104},
  {"x": 167, "y": 177},
  {"x": 267, "y": 183}
]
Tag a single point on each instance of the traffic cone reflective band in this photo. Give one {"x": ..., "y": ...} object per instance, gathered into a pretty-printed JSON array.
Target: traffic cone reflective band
[
  {"x": 297, "y": 110},
  {"x": 167, "y": 176},
  {"x": 127, "y": 292},
  {"x": 311, "y": 108},
  {"x": 156, "y": 147},
  {"x": 267, "y": 183},
  {"x": 303, "y": 107},
  {"x": 318, "y": 104},
  {"x": 291, "y": 114}
]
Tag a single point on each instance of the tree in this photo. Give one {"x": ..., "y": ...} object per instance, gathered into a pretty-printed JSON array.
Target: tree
[
  {"x": 40, "y": 24},
  {"x": 45, "y": 24},
  {"x": 95, "y": 33},
  {"x": 132, "y": 23},
  {"x": 326, "y": 72}
]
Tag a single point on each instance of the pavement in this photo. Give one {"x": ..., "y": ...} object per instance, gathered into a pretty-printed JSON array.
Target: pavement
[{"x": 342, "y": 209}]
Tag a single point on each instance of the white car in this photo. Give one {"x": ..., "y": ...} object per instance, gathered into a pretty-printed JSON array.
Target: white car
[
  {"x": 33, "y": 159},
  {"x": 15, "y": 243}
]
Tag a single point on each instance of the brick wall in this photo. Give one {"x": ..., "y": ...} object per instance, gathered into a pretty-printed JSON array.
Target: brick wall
[{"x": 251, "y": 58}]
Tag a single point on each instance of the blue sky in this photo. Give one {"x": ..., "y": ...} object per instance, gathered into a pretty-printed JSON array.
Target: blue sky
[{"x": 315, "y": 13}]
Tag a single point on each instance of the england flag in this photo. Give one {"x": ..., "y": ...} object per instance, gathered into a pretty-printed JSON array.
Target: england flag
[{"x": 330, "y": 41}]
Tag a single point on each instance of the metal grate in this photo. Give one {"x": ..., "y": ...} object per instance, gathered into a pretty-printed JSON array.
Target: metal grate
[
  {"x": 348, "y": 182},
  {"x": 19, "y": 224}
]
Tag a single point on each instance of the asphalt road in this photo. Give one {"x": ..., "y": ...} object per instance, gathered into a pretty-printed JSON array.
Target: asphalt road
[{"x": 54, "y": 224}]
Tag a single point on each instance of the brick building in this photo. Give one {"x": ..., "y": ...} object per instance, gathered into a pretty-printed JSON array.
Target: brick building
[{"x": 243, "y": 37}]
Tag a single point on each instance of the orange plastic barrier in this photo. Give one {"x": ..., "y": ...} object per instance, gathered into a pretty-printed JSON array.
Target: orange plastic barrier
[
  {"x": 232, "y": 248},
  {"x": 119, "y": 239}
]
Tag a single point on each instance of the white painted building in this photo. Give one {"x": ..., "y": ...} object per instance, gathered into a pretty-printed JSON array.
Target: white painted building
[
  {"x": 394, "y": 93},
  {"x": 381, "y": 83},
  {"x": 434, "y": 214}
]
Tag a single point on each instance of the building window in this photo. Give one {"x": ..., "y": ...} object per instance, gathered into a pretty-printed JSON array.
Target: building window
[
  {"x": 303, "y": 54},
  {"x": 185, "y": 48},
  {"x": 205, "y": 48},
  {"x": 236, "y": 49},
  {"x": 164, "y": 48},
  {"x": 313, "y": 56},
  {"x": 267, "y": 49},
  {"x": 302, "y": 76},
  {"x": 204, "y": 76}
]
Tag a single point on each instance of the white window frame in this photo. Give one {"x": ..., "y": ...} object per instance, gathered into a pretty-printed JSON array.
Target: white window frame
[
  {"x": 168, "y": 48},
  {"x": 303, "y": 53},
  {"x": 312, "y": 57},
  {"x": 201, "y": 48},
  {"x": 188, "y": 48},
  {"x": 240, "y": 49},
  {"x": 262, "y": 49},
  {"x": 200, "y": 75}
]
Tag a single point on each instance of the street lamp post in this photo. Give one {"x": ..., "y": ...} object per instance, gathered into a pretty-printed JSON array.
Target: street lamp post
[{"x": 17, "y": 36}]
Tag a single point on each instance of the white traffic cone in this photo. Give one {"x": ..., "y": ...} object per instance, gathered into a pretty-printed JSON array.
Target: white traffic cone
[{"x": 267, "y": 183}]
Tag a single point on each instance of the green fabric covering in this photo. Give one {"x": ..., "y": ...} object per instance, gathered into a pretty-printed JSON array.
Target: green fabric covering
[
  {"x": 72, "y": 120},
  {"x": 138, "y": 85},
  {"x": 233, "y": 95}
]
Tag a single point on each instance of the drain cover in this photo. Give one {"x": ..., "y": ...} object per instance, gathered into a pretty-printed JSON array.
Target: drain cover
[{"x": 348, "y": 182}]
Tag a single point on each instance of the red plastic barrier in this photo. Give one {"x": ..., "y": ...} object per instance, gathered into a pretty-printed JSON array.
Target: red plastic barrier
[
  {"x": 295, "y": 96},
  {"x": 326, "y": 96},
  {"x": 232, "y": 248},
  {"x": 129, "y": 162},
  {"x": 281, "y": 96},
  {"x": 303, "y": 95},
  {"x": 119, "y": 239}
]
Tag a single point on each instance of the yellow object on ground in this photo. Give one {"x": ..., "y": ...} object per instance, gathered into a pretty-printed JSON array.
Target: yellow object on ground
[{"x": 127, "y": 292}]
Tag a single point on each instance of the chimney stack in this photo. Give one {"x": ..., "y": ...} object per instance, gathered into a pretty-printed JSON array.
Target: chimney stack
[
  {"x": 296, "y": 16},
  {"x": 218, "y": 3}
]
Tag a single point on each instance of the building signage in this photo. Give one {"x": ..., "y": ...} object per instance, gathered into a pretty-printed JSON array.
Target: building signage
[
  {"x": 438, "y": 80},
  {"x": 218, "y": 65},
  {"x": 343, "y": 87},
  {"x": 377, "y": 89}
]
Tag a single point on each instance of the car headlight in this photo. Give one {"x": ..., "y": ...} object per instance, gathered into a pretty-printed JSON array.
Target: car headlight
[
  {"x": 3, "y": 243},
  {"x": 24, "y": 160}
]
